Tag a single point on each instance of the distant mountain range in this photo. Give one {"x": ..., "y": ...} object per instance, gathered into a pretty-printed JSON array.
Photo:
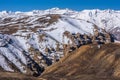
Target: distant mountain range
[{"x": 38, "y": 29}]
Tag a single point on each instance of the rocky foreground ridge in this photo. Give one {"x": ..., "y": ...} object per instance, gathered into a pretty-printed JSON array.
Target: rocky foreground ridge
[{"x": 87, "y": 63}]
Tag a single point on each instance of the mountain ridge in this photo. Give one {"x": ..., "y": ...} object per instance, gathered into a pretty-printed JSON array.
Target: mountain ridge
[{"x": 39, "y": 34}]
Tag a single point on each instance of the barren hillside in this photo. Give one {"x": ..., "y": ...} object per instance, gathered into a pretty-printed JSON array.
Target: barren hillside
[{"x": 87, "y": 63}]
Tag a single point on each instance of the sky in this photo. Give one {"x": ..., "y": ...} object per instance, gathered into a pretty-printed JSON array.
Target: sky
[{"x": 29, "y": 5}]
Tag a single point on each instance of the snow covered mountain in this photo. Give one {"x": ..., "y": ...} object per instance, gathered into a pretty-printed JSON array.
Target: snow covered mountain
[{"x": 24, "y": 34}]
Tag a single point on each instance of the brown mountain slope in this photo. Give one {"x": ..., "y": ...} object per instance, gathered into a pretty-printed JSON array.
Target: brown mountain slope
[
  {"x": 15, "y": 76},
  {"x": 87, "y": 63}
]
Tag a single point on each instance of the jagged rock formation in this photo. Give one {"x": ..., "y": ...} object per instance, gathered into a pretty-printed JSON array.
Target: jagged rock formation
[{"x": 77, "y": 40}]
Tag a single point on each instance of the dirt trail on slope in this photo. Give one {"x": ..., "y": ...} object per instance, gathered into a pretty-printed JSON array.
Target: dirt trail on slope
[{"x": 87, "y": 63}]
